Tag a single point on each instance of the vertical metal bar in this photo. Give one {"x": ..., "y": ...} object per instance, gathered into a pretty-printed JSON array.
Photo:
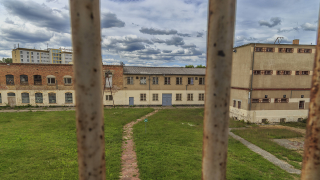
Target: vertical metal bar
[
  {"x": 221, "y": 17},
  {"x": 86, "y": 38},
  {"x": 311, "y": 158}
]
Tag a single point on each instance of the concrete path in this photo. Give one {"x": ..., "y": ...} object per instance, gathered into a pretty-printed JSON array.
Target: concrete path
[
  {"x": 282, "y": 164},
  {"x": 129, "y": 164}
]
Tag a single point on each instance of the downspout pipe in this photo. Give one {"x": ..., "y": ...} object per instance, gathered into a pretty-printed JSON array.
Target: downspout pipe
[{"x": 251, "y": 77}]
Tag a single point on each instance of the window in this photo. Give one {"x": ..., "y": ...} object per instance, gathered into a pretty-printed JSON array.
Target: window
[
  {"x": 255, "y": 100},
  {"x": 143, "y": 97},
  {"x": 109, "y": 97},
  {"x": 21, "y": 60},
  {"x": 265, "y": 100},
  {"x": 302, "y": 96},
  {"x": 190, "y": 80},
  {"x": 281, "y": 100},
  {"x": 301, "y": 104},
  {"x": 269, "y": 49},
  {"x": 108, "y": 80},
  {"x": 52, "y": 98},
  {"x": 38, "y": 54},
  {"x": 305, "y": 72},
  {"x": 31, "y": 57},
  {"x": 265, "y": 96},
  {"x": 38, "y": 97},
  {"x": 51, "y": 80},
  {"x": 27, "y": 56},
  {"x": 143, "y": 80},
  {"x": 23, "y": 79},
  {"x": 154, "y": 97},
  {"x": 234, "y": 103},
  {"x": 25, "y": 97},
  {"x": 20, "y": 52},
  {"x": 297, "y": 72},
  {"x": 286, "y": 50},
  {"x": 0, "y": 98},
  {"x": 167, "y": 80},
  {"x": 201, "y": 96},
  {"x": 258, "y": 49},
  {"x": 201, "y": 80},
  {"x": 21, "y": 56},
  {"x": 27, "y": 60},
  {"x": 307, "y": 50},
  {"x": 37, "y": 79},
  {"x": 27, "y": 52},
  {"x": 190, "y": 97},
  {"x": 10, "y": 79},
  {"x": 179, "y": 80},
  {"x": 155, "y": 80},
  {"x": 257, "y": 72},
  {"x": 37, "y": 57},
  {"x": 239, "y": 104},
  {"x": 129, "y": 80},
  {"x": 31, "y": 53},
  {"x": 268, "y": 72},
  {"x": 67, "y": 80},
  {"x": 68, "y": 97},
  {"x": 178, "y": 97}
]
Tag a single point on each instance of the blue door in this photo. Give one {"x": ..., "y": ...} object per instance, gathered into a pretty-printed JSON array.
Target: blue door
[
  {"x": 131, "y": 100},
  {"x": 166, "y": 99}
]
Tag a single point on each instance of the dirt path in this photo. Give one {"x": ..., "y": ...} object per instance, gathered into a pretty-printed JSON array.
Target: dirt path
[{"x": 129, "y": 164}]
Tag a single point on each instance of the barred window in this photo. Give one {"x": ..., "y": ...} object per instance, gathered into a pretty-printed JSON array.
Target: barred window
[
  {"x": 255, "y": 100},
  {"x": 129, "y": 80},
  {"x": 68, "y": 98},
  {"x": 0, "y": 98},
  {"x": 167, "y": 80},
  {"x": 52, "y": 98},
  {"x": 234, "y": 103},
  {"x": 25, "y": 98},
  {"x": 179, "y": 80},
  {"x": 239, "y": 104},
  {"x": 10, "y": 79},
  {"x": 109, "y": 97},
  {"x": 178, "y": 97},
  {"x": 190, "y": 80},
  {"x": 155, "y": 80},
  {"x": 23, "y": 79},
  {"x": 201, "y": 80},
  {"x": 37, "y": 79},
  {"x": 201, "y": 97},
  {"x": 143, "y": 97},
  {"x": 143, "y": 80},
  {"x": 38, "y": 97},
  {"x": 190, "y": 97},
  {"x": 154, "y": 97},
  {"x": 257, "y": 72}
]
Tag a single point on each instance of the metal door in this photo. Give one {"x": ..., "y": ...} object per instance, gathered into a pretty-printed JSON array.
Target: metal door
[
  {"x": 166, "y": 99},
  {"x": 131, "y": 101}
]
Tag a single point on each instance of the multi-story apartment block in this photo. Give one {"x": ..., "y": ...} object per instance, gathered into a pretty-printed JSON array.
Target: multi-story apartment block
[
  {"x": 271, "y": 82},
  {"x": 50, "y": 56},
  {"x": 52, "y": 85}
]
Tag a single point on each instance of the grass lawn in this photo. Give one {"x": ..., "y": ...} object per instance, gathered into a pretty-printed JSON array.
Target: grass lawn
[
  {"x": 172, "y": 149},
  {"x": 43, "y": 145},
  {"x": 240, "y": 123},
  {"x": 301, "y": 125},
  {"x": 262, "y": 138}
]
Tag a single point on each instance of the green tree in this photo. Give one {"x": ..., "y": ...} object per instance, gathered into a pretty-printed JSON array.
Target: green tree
[
  {"x": 6, "y": 60},
  {"x": 200, "y": 66},
  {"x": 189, "y": 66}
]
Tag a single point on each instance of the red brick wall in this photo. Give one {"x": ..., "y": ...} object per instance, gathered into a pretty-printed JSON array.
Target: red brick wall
[{"x": 57, "y": 70}]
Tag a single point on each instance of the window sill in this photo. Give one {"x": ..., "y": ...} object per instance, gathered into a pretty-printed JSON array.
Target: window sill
[
  {"x": 10, "y": 84},
  {"x": 167, "y": 84},
  {"x": 189, "y": 100},
  {"x": 178, "y": 100},
  {"x": 68, "y": 84},
  {"x": 179, "y": 84},
  {"x": 51, "y": 84},
  {"x": 155, "y": 100},
  {"x": 143, "y": 84},
  {"x": 68, "y": 103},
  {"x": 190, "y": 84}
]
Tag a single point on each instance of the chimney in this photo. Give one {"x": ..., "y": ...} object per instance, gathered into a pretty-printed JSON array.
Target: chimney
[{"x": 295, "y": 41}]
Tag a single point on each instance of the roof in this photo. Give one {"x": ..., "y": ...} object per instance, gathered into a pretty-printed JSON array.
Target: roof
[
  {"x": 163, "y": 70},
  {"x": 274, "y": 44}
]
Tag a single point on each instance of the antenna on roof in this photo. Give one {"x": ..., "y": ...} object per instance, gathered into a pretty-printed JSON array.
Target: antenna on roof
[
  {"x": 18, "y": 45},
  {"x": 14, "y": 46},
  {"x": 279, "y": 39}
]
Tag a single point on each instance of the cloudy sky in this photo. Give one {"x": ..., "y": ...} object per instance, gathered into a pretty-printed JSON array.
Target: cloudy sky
[{"x": 155, "y": 32}]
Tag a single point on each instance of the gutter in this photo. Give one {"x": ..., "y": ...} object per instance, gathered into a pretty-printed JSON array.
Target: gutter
[{"x": 250, "y": 95}]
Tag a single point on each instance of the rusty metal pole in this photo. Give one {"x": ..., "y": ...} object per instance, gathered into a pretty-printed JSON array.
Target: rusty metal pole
[
  {"x": 221, "y": 19},
  {"x": 311, "y": 158},
  {"x": 86, "y": 42}
]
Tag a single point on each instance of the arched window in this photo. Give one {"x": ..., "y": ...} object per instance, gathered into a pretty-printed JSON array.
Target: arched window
[
  {"x": 10, "y": 79},
  {"x": 67, "y": 80},
  {"x": 51, "y": 80},
  {"x": 108, "y": 76},
  {"x": 68, "y": 97},
  {"x": 37, "y": 80}
]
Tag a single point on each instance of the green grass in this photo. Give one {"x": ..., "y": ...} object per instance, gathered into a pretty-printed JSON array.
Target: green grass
[
  {"x": 43, "y": 145},
  {"x": 240, "y": 123},
  {"x": 301, "y": 125},
  {"x": 172, "y": 149},
  {"x": 262, "y": 138}
]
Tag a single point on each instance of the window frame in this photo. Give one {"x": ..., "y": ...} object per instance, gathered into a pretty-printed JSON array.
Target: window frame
[
  {"x": 9, "y": 79},
  {"x": 26, "y": 82},
  {"x": 303, "y": 105},
  {"x": 143, "y": 97},
  {"x": 143, "y": 78},
  {"x": 234, "y": 103},
  {"x": 37, "y": 80},
  {"x": 109, "y": 97},
  {"x": 201, "y": 96},
  {"x": 190, "y": 97},
  {"x": 178, "y": 97},
  {"x": 130, "y": 80},
  {"x": 50, "y": 95},
  {"x": 155, "y": 97},
  {"x": 239, "y": 104},
  {"x": 155, "y": 80},
  {"x": 167, "y": 81},
  {"x": 24, "y": 98},
  {"x": 178, "y": 80},
  {"x": 190, "y": 81},
  {"x": 201, "y": 80},
  {"x": 50, "y": 79},
  {"x": 65, "y": 98},
  {"x": 36, "y": 97}
]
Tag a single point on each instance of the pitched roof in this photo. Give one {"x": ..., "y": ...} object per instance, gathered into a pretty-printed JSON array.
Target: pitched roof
[{"x": 163, "y": 70}]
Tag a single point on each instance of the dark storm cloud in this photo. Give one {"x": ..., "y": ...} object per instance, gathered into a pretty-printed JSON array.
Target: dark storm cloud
[
  {"x": 166, "y": 51},
  {"x": 154, "y": 31},
  {"x": 184, "y": 35},
  {"x": 273, "y": 22},
  {"x": 149, "y": 51},
  {"x": 309, "y": 27},
  {"x": 8, "y": 21},
  {"x": 109, "y": 20},
  {"x": 189, "y": 46},
  {"x": 126, "y": 44},
  {"x": 22, "y": 36},
  {"x": 199, "y": 34},
  {"x": 175, "y": 40},
  {"x": 39, "y": 15}
]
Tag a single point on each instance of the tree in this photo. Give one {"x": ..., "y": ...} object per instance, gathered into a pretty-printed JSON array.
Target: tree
[
  {"x": 189, "y": 66},
  {"x": 6, "y": 60},
  {"x": 200, "y": 66}
]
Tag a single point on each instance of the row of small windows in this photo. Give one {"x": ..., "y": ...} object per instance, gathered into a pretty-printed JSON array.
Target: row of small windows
[
  {"x": 28, "y": 52},
  {"x": 28, "y": 56},
  {"x": 37, "y": 80},
  {"x": 25, "y": 98},
  {"x": 277, "y": 100},
  {"x": 155, "y": 97},
  {"x": 282, "y": 50},
  {"x": 167, "y": 80},
  {"x": 279, "y": 72}
]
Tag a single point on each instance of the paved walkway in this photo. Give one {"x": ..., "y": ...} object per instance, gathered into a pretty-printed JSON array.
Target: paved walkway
[
  {"x": 282, "y": 164},
  {"x": 130, "y": 169}
]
